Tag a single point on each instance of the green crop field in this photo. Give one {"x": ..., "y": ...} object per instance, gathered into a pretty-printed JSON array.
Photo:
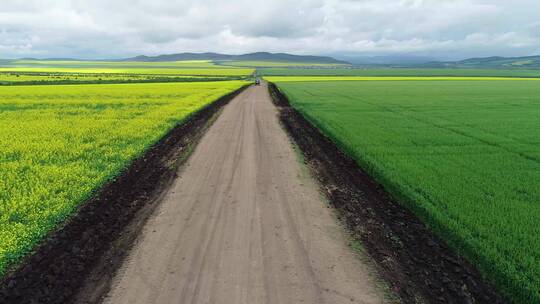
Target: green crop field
[
  {"x": 22, "y": 78},
  {"x": 178, "y": 68},
  {"x": 463, "y": 155},
  {"x": 271, "y": 64},
  {"x": 60, "y": 144},
  {"x": 114, "y": 64},
  {"x": 282, "y": 79},
  {"x": 128, "y": 70},
  {"x": 396, "y": 72}
]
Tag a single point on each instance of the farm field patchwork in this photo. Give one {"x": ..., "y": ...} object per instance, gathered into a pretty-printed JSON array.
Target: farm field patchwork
[
  {"x": 114, "y": 64},
  {"x": 18, "y": 78},
  {"x": 263, "y": 64},
  {"x": 179, "y": 68},
  {"x": 60, "y": 144},
  {"x": 128, "y": 70},
  {"x": 463, "y": 155},
  {"x": 282, "y": 79},
  {"x": 396, "y": 72}
]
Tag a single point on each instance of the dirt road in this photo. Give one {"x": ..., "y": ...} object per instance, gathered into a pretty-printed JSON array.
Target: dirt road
[{"x": 244, "y": 223}]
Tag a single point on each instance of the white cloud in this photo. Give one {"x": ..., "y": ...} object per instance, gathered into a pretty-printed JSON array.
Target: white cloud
[{"x": 105, "y": 28}]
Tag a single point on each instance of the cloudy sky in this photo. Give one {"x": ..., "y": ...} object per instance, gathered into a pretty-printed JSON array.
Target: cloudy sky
[{"x": 443, "y": 29}]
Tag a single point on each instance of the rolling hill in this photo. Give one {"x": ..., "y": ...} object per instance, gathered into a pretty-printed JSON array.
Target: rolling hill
[
  {"x": 495, "y": 62},
  {"x": 259, "y": 56}
]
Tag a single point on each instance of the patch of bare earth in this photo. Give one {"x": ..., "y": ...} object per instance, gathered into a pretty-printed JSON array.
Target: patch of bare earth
[{"x": 241, "y": 224}]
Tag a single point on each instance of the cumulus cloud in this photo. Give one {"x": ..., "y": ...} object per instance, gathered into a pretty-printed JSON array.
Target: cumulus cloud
[{"x": 106, "y": 29}]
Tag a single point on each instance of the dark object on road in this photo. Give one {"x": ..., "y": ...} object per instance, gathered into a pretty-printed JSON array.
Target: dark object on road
[{"x": 257, "y": 81}]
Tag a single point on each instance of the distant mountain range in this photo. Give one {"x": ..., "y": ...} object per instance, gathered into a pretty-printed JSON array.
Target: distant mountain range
[
  {"x": 259, "y": 56},
  {"x": 495, "y": 62},
  {"x": 409, "y": 61},
  {"x": 528, "y": 62}
]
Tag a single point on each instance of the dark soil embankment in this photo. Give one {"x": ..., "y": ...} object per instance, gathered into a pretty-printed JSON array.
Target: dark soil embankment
[
  {"x": 79, "y": 260},
  {"x": 419, "y": 266}
]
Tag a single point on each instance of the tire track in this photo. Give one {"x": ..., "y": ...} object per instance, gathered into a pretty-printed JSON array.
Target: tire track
[{"x": 240, "y": 226}]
